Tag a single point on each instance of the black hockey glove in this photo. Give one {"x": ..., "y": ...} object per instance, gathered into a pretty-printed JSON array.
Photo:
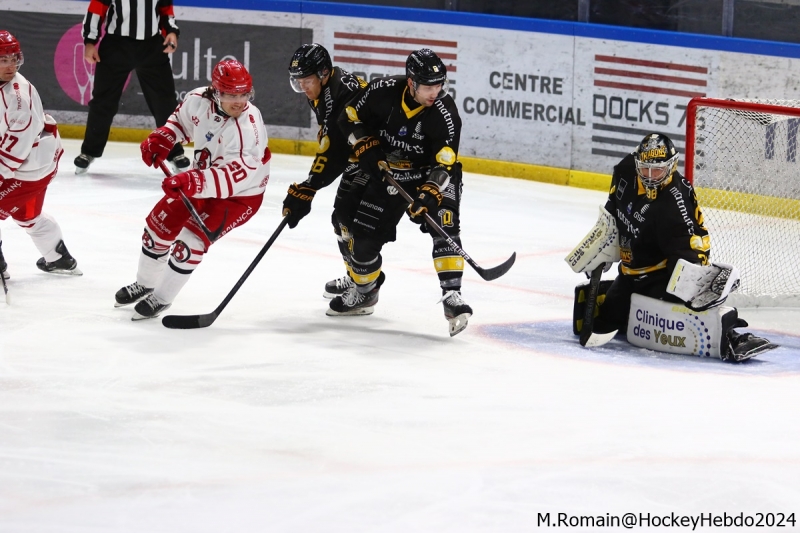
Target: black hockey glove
[
  {"x": 297, "y": 203},
  {"x": 371, "y": 158},
  {"x": 428, "y": 199}
]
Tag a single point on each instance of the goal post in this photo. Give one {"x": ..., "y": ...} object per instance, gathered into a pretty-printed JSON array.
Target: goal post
[{"x": 742, "y": 158}]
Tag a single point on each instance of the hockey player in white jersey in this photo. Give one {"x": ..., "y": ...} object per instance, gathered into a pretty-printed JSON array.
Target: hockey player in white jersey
[
  {"x": 229, "y": 174},
  {"x": 30, "y": 149}
]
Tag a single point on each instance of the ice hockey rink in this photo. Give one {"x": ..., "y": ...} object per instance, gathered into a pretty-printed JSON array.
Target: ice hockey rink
[{"x": 279, "y": 418}]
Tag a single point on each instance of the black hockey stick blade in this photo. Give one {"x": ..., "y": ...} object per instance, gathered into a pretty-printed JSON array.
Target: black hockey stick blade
[
  {"x": 487, "y": 274},
  {"x": 591, "y": 301},
  {"x": 203, "y": 321},
  {"x": 495, "y": 272}
]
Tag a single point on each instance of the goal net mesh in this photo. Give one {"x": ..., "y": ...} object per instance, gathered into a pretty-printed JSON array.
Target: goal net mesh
[{"x": 747, "y": 177}]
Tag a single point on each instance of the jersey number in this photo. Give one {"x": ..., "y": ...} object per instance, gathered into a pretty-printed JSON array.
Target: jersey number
[
  {"x": 8, "y": 142},
  {"x": 319, "y": 164},
  {"x": 238, "y": 173}
]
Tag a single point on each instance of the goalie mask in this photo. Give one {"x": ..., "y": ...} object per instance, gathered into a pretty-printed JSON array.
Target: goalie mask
[
  {"x": 10, "y": 50},
  {"x": 423, "y": 67},
  {"x": 656, "y": 160},
  {"x": 308, "y": 60}
]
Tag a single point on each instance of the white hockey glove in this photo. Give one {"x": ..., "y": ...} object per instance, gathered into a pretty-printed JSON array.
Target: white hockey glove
[
  {"x": 599, "y": 246},
  {"x": 703, "y": 287}
]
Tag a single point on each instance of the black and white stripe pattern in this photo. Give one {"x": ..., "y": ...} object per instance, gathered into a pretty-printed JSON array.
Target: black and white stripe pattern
[{"x": 139, "y": 19}]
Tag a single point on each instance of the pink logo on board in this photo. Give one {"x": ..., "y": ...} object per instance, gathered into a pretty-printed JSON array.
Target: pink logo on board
[{"x": 75, "y": 75}]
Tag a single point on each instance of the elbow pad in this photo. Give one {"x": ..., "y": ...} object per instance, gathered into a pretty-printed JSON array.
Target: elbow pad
[{"x": 439, "y": 177}]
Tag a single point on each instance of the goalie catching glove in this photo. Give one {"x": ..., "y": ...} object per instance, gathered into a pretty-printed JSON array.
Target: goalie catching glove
[
  {"x": 190, "y": 182},
  {"x": 703, "y": 287},
  {"x": 157, "y": 146},
  {"x": 297, "y": 203}
]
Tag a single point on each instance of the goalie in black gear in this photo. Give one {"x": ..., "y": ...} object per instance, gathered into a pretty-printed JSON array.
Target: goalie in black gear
[
  {"x": 407, "y": 125},
  {"x": 653, "y": 225},
  {"x": 328, "y": 89}
]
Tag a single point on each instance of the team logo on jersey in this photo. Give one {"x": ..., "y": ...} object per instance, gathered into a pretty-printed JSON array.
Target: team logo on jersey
[
  {"x": 209, "y": 136},
  {"x": 180, "y": 252},
  {"x": 162, "y": 215},
  {"x": 402, "y": 131},
  {"x": 202, "y": 159},
  {"x": 391, "y": 190}
]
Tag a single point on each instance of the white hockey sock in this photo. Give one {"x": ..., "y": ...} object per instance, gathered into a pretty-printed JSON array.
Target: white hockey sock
[
  {"x": 45, "y": 234},
  {"x": 187, "y": 253}
]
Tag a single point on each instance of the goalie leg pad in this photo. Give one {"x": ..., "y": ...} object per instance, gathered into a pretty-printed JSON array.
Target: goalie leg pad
[{"x": 579, "y": 306}]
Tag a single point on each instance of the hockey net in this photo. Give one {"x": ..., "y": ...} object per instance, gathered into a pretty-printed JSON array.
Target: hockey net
[{"x": 741, "y": 156}]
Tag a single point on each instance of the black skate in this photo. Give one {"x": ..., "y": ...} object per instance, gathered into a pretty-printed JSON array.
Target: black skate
[
  {"x": 180, "y": 163},
  {"x": 746, "y": 346},
  {"x": 354, "y": 303},
  {"x": 150, "y": 307},
  {"x": 82, "y": 163},
  {"x": 337, "y": 287},
  {"x": 131, "y": 294},
  {"x": 456, "y": 311},
  {"x": 65, "y": 265}
]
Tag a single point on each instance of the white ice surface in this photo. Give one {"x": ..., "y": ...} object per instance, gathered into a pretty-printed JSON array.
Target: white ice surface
[{"x": 278, "y": 418}]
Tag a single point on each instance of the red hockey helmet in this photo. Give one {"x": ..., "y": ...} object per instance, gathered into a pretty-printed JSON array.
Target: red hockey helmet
[
  {"x": 230, "y": 78},
  {"x": 9, "y": 46}
]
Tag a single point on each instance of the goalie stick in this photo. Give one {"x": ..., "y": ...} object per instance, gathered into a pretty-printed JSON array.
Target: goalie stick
[
  {"x": 212, "y": 235},
  {"x": 588, "y": 338},
  {"x": 203, "y": 321},
  {"x": 486, "y": 273}
]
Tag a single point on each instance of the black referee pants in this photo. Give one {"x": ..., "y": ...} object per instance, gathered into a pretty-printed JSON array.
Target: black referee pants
[{"x": 118, "y": 57}]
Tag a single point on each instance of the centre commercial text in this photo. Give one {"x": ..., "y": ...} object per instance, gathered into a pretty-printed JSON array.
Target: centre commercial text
[{"x": 523, "y": 110}]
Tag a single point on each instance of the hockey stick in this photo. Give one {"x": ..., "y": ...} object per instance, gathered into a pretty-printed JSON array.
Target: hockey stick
[
  {"x": 203, "y": 321},
  {"x": 486, "y": 273},
  {"x": 588, "y": 338},
  {"x": 211, "y": 235}
]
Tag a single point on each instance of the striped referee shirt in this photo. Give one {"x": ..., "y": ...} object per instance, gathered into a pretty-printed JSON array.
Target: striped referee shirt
[{"x": 138, "y": 19}]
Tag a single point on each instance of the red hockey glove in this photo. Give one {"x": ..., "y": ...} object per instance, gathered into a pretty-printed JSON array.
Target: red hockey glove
[
  {"x": 297, "y": 203},
  {"x": 428, "y": 199},
  {"x": 190, "y": 182},
  {"x": 371, "y": 158},
  {"x": 157, "y": 146}
]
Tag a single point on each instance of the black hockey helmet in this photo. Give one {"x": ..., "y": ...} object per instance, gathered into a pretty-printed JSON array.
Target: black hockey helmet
[
  {"x": 425, "y": 68},
  {"x": 656, "y": 160},
  {"x": 310, "y": 59}
]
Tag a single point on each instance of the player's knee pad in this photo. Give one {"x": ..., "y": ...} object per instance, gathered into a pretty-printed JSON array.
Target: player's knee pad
[
  {"x": 187, "y": 252},
  {"x": 579, "y": 305},
  {"x": 674, "y": 328}
]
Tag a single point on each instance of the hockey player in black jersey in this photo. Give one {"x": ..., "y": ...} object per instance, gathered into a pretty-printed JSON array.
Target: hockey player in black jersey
[
  {"x": 653, "y": 225},
  {"x": 407, "y": 125},
  {"x": 328, "y": 89}
]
